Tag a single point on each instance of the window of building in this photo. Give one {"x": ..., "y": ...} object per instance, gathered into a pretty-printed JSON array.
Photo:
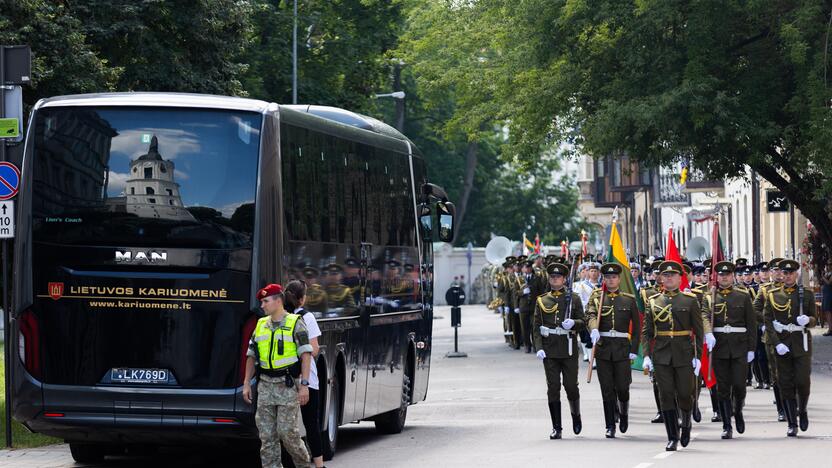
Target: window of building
[
  {"x": 132, "y": 190},
  {"x": 149, "y": 191},
  {"x": 170, "y": 192},
  {"x": 151, "y": 200},
  {"x": 148, "y": 173}
]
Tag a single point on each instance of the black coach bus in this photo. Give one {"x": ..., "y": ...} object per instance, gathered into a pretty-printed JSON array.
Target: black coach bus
[{"x": 149, "y": 220}]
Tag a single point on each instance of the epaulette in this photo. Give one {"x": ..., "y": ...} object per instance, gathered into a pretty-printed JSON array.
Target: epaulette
[
  {"x": 689, "y": 294},
  {"x": 654, "y": 295},
  {"x": 742, "y": 289},
  {"x": 626, "y": 294}
]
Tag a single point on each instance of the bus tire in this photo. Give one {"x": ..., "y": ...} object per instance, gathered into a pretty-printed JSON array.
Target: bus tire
[
  {"x": 392, "y": 422},
  {"x": 329, "y": 437},
  {"x": 86, "y": 453}
]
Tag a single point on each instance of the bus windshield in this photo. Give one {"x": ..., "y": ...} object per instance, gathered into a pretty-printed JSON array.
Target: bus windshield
[{"x": 133, "y": 176}]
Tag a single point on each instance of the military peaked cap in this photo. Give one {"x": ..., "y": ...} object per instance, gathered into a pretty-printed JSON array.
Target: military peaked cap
[
  {"x": 789, "y": 265},
  {"x": 725, "y": 267},
  {"x": 611, "y": 269},
  {"x": 557, "y": 269},
  {"x": 670, "y": 266}
]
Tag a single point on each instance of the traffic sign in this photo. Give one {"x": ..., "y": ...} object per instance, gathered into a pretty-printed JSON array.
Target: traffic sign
[
  {"x": 7, "y": 219},
  {"x": 9, "y": 128},
  {"x": 9, "y": 180}
]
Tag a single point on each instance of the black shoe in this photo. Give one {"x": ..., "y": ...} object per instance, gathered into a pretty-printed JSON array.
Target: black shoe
[
  {"x": 658, "y": 419},
  {"x": 790, "y": 407},
  {"x": 778, "y": 402},
  {"x": 575, "y": 409},
  {"x": 803, "y": 415},
  {"x": 623, "y": 416},
  {"x": 716, "y": 417},
  {"x": 671, "y": 425},
  {"x": 609, "y": 419},
  {"x": 766, "y": 386},
  {"x": 748, "y": 383},
  {"x": 697, "y": 415},
  {"x": 684, "y": 439},
  {"x": 554, "y": 413},
  {"x": 759, "y": 385},
  {"x": 725, "y": 409},
  {"x": 738, "y": 417},
  {"x": 528, "y": 350},
  {"x": 715, "y": 405}
]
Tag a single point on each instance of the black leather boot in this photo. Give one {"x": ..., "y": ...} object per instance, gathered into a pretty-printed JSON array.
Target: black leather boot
[
  {"x": 609, "y": 419},
  {"x": 725, "y": 412},
  {"x": 697, "y": 415},
  {"x": 802, "y": 414},
  {"x": 717, "y": 417},
  {"x": 684, "y": 439},
  {"x": 575, "y": 409},
  {"x": 554, "y": 413},
  {"x": 671, "y": 425},
  {"x": 659, "y": 413},
  {"x": 790, "y": 408},
  {"x": 623, "y": 415},
  {"x": 778, "y": 401},
  {"x": 738, "y": 417}
]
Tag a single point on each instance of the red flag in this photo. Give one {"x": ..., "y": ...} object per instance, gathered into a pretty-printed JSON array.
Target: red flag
[
  {"x": 583, "y": 245},
  {"x": 718, "y": 254},
  {"x": 537, "y": 244},
  {"x": 673, "y": 255}
]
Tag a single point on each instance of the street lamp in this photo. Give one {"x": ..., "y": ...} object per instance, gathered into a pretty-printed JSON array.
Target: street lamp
[{"x": 399, "y": 97}]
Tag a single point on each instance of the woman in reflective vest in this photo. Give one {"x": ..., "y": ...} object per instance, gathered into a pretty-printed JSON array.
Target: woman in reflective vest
[{"x": 279, "y": 348}]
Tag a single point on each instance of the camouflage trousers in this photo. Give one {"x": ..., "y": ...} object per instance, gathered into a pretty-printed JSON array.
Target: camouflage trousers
[{"x": 277, "y": 421}]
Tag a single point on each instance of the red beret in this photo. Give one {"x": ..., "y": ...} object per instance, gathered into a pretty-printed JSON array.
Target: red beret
[{"x": 269, "y": 290}]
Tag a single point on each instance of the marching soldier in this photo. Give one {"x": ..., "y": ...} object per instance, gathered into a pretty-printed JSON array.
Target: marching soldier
[
  {"x": 646, "y": 294},
  {"x": 789, "y": 313},
  {"x": 614, "y": 346},
  {"x": 526, "y": 300},
  {"x": 735, "y": 327},
  {"x": 700, "y": 292},
  {"x": 505, "y": 293},
  {"x": 669, "y": 321},
  {"x": 339, "y": 296},
  {"x": 558, "y": 317},
  {"x": 315, "y": 295},
  {"x": 776, "y": 277}
]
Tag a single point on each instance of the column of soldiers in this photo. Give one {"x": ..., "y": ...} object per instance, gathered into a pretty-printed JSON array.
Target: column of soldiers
[{"x": 754, "y": 320}]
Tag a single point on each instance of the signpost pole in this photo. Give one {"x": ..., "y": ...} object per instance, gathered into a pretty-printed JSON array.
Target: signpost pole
[
  {"x": 455, "y": 297},
  {"x": 6, "y": 344}
]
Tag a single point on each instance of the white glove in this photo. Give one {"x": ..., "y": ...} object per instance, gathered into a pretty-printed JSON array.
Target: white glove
[
  {"x": 750, "y": 356},
  {"x": 777, "y": 325},
  {"x": 516, "y": 310},
  {"x": 378, "y": 300},
  {"x": 395, "y": 303},
  {"x": 710, "y": 340},
  {"x": 647, "y": 364},
  {"x": 802, "y": 320},
  {"x": 762, "y": 329},
  {"x": 496, "y": 284},
  {"x": 697, "y": 365},
  {"x": 526, "y": 291},
  {"x": 595, "y": 335},
  {"x": 567, "y": 324},
  {"x": 634, "y": 356},
  {"x": 541, "y": 354},
  {"x": 544, "y": 331},
  {"x": 781, "y": 349}
]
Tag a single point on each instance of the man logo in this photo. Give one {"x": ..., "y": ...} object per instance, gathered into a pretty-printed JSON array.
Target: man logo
[
  {"x": 56, "y": 290},
  {"x": 139, "y": 257}
]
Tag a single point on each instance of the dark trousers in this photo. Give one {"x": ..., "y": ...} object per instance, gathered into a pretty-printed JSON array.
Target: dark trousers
[
  {"x": 771, "y": 357},
  {"x": 311, "y": 421},
  {"x": 793, "y": 376},
  {"x": 730, "y": 377},
  {"x": 761, "y": 361},
  {"x": 675, "y": 384},
  {"x": 526, "y": 328},
  {"x": 566, "y": 367},
  {"x": 516, "y": 329},
  {"x": 615, "y": 378}
]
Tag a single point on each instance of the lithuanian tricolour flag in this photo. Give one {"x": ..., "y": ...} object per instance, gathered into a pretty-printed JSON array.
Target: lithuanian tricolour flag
[{"x": 617, "y": 254}]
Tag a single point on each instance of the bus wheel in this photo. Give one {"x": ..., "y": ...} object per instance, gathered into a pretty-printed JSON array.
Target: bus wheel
[
  {"x": 329, "y": 437},
  {"x": 86, "y": 453},
  {"x": 392, "y": 422}
]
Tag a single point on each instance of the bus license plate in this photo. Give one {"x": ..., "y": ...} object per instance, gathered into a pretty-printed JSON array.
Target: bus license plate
[{"x": 140, "y": 376}]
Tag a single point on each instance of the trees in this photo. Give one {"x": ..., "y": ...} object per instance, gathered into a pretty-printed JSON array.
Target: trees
[{"x": 720, "y": 84}]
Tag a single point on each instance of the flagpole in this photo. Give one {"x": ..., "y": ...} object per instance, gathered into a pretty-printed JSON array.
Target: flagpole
[{"x": 715, "y": 243}]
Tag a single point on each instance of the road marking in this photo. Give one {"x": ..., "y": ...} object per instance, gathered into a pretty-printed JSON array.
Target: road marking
[
  {"x": 659, "y": 456},
  {"x": 642, "y": 465}
]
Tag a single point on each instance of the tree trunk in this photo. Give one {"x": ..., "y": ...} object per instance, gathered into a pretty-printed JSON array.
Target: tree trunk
[
  {"x": 468, "y": 184},
  {"x": 800, "y": 193}
]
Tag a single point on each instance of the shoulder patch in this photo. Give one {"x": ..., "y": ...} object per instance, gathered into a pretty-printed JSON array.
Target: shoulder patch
[
  {"x": 742, "y": 289},
  {"x": 690, "y": 294}
]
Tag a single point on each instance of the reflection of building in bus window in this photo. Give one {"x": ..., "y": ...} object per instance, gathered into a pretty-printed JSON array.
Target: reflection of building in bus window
[
  {"x": 316, "y": 301},
  {"x": 151, "y": 191},
  {"x": 339, "y": 297}
]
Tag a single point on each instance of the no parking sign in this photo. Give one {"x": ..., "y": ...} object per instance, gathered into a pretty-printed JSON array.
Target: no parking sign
[{"x": 9, "y": 180}]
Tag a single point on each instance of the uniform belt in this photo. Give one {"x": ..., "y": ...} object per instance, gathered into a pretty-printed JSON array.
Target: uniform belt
[
  {"x": 673, "y": 333},
  {"x": 615, "y": 334},
  {"x": 729, "y": 329},
  {"x": 274, "y": 373},
  {"x": 790, "y": 328},
  {"x": 556, "y": 331}
]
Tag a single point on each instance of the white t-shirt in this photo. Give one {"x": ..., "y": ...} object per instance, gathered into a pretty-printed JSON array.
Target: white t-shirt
[{"x": 314, "y": 332}]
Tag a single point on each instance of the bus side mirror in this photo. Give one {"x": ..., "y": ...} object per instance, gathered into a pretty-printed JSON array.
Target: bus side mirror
[{"x": 445, "y": 219}]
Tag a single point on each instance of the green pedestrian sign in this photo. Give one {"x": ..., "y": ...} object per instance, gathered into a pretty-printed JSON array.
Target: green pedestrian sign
[{"x": 9, "y": 128}]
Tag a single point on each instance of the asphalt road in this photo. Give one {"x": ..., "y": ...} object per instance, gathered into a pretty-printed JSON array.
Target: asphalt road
[{"x": 489, "y": 409}]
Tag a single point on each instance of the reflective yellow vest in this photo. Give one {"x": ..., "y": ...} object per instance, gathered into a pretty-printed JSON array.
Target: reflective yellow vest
[{"x": 268, "y": 346}]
